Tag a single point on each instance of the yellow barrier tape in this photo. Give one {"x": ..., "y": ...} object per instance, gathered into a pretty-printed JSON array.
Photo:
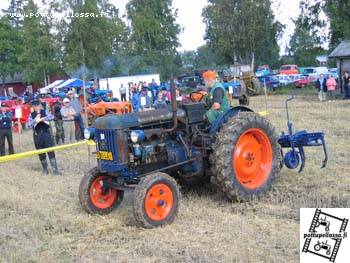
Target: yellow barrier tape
[
  {"x": 264, "y": 113},
  {"x": 40, "y": 151}
]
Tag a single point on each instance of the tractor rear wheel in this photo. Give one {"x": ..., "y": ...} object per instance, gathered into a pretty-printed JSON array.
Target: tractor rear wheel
[
  {"x": 246, "y": 156},
  {"x": 94, "y": 198},
  {"x": 156, "y": 200}
]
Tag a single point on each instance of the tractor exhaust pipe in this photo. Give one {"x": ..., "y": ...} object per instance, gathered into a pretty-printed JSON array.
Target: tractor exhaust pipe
[{"x": 173, "y": 106}]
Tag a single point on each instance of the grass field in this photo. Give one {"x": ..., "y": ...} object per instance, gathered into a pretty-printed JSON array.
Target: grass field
[{"x": 41, "y": 219}]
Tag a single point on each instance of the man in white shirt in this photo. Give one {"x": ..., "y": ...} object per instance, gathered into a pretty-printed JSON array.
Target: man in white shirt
[{"x": 122, "y": 91}]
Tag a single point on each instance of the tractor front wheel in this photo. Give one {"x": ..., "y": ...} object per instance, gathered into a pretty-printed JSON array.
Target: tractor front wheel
[
  {"x": 246, "y": 156},
  {"x": 156, "y": 200},
  {"x": 95, "y": 198}
]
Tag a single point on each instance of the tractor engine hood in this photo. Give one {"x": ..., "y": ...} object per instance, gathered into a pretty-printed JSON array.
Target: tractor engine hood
[{"x": 132, "y": 120}]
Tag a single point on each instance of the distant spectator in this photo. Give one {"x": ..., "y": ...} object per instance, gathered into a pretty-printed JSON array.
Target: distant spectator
[
  {"x": 318, "y": 86},
  {"x": 5, "y": 130},
  {"x": 178, "y": 95},
  {"x": 160, "y": 102},
  {"x": 68, "y": 113},
  {"x": 78, "y": 120},
  {"x": 43, "y": 103},
  {"x": 154, "y": 88},
  {"x": 331, "y": 85},
  {"x": 145, "y": 100},
  {"x": 346, "y": 83},
  {"x": 167, "y": 95},
  {"x": 58, "y": 122},
  {"x": 135, "y": 99},
  {"x": 323, "y": 88},
  {"x": 122, "y": 91}
]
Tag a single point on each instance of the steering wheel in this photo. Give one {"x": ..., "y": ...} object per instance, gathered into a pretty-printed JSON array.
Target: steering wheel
[{"x": 197, "y": 96}]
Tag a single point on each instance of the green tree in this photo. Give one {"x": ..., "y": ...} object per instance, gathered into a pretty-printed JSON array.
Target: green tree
[
  {"x": 15, "y": 11},
  {"x": 154, "y": 36},
  {"x": 242, "y": 30},
  {"x": 39, "y": 55},
  {"x": 338, "y": 12},
  {"x": 91, "y": 40},
  {"x": 10, "y": 49},
  {"x": 306, "y": 41},
  {"x": 337, "y": 16},
  {"x": 209, "y": 58}
]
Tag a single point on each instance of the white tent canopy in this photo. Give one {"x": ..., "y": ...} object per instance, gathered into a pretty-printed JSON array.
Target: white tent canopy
[
  {"x": 52, "y": 85},
  {"x": 66, "y": 83}
]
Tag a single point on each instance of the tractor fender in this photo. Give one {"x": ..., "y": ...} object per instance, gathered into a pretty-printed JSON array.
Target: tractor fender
[{"x": 224, "y": 117}]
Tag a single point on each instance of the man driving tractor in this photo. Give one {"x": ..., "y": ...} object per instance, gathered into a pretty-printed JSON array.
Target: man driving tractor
[{"x": 219, "y": 101}]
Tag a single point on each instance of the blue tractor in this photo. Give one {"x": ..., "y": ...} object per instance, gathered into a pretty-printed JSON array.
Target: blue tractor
[
  {"x": 151, "y": 152},
  {"x": 237, "y": 89}
]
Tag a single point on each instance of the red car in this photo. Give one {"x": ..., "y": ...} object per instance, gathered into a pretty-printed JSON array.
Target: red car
[
  {"x": 305, "y": 81},
  {"x": 289, "y": 70}
]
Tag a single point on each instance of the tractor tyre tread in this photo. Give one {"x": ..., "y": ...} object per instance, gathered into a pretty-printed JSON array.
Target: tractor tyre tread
[{"x": 221, "y": 158}]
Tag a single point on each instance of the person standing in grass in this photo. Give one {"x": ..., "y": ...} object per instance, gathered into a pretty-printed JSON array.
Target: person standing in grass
[
  {"x": 322, "y": 88},
  {"x": 68, "y": 114},
  {"x": 122, "y": 91},
  {"x": 78, "y": 120},
  {"x": 58, "y": 122},
  {"x": 5, "y": 130},
  {"x": 331, "y": 85},
  {"x": 346, "y": 83},
  {"x": 39, "y": 120}
]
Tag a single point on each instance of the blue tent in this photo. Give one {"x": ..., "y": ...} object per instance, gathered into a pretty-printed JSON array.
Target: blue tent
[{"x": 73, "y": 83}]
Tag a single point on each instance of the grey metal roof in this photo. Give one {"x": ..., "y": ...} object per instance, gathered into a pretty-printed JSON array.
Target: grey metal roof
[{"x": 342, "y": 50}]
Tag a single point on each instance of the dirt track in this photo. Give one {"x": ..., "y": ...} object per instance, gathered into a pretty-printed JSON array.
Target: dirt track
[{"x": 41, "y": 219}]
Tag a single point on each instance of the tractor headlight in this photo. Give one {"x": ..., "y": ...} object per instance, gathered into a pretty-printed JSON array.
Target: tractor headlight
[
  {"x": 89, "y": 133},
  {"x": 137, "y": 136}
]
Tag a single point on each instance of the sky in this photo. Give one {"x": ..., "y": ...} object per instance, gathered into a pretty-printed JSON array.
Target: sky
[{"x": 189, "y": 17}]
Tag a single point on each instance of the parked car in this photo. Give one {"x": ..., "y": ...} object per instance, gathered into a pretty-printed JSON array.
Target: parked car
[
  {"x": 314, "y": 71},
  {"x": 306, "y": 71},
  {"x": 294, "y": 78},
  {"x": 284, "y": 79},
  {"x": 304, "y": 81},
  {"x": 289, "y": 70},
  {"x": 271, "y": 82},
  {"x": 263, "y": 71}
]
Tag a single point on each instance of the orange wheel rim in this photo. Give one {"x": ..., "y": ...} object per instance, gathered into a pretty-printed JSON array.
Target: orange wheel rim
[
  {"x": 252, "y": 158},
  {"x": 159, "y": 202},
  {"x": 98, "y": 198}
]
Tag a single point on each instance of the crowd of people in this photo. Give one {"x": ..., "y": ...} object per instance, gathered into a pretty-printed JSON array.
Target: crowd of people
[
  {"x": 68, "y": 120},
  {"x": 145, "y": 96},
  {"x": 327, "y": 85}
]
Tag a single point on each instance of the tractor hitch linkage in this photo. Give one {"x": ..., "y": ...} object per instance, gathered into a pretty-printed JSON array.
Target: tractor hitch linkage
[{"x": 297, "y": 141}]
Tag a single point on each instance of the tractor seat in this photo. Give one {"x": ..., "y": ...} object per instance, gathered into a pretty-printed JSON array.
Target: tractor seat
[{"x": 135, "y": 119}]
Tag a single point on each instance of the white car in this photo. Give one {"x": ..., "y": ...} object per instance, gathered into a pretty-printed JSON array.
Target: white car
[{"x": 284, "y": 79}]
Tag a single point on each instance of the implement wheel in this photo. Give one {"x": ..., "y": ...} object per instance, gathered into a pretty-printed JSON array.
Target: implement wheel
[
  {"x": 156, "y": 200},
  {"x": 246, "y": 157},
  {"x": 96, "y": 199}
]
